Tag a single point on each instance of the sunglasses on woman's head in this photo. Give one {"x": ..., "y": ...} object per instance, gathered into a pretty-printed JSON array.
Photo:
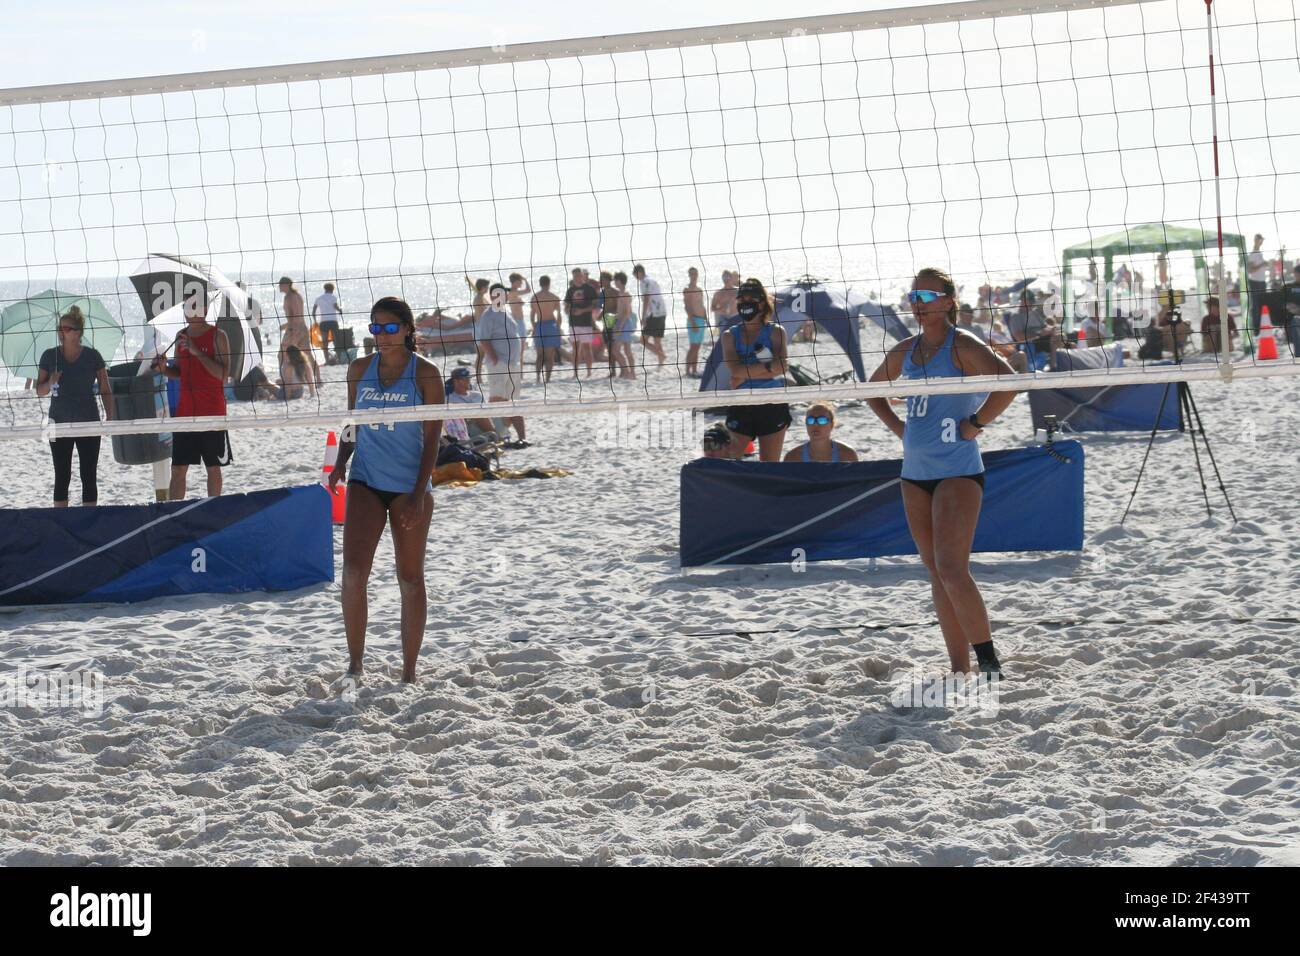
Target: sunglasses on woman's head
[
  {"x": 924, "y": 295},
  {"x": 388, "y": 328},
  {"x": 817, "y": 420}
]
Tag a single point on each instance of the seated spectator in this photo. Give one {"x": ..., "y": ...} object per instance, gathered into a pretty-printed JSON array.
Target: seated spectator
[
  {"x": 461, "y": 390},
  {"x": 1092, "y": 332},
  {"x": 1211, "y": 328},
  {"x": 1032, "y": 330},
  {"x": 717, "y": 441},
  {"x": 1168, "y": 330},
  {"x": 820, "y": 422},
  {"x": 966, "y": 322},
  {"x": 1001, "y": 343},
  {"x": 295, "y": 375}
]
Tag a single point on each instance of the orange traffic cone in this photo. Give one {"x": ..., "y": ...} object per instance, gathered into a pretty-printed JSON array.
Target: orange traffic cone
[
  {"x": 1267, "y": 344},
  {"x": 749, "y": 449},
  {"x": 339, "y": 496},
  {"x": 1083, "y": 338}
]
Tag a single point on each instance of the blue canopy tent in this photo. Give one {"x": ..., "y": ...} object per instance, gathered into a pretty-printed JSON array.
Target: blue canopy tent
[{"x": 838, "y": 312}]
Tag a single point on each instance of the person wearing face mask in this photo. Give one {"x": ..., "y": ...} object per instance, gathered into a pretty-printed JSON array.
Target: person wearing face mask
[
  {"x": 755, "y": 352},
  {"x": 943, "y": 473},
  {"x": 820, "y": 446}
]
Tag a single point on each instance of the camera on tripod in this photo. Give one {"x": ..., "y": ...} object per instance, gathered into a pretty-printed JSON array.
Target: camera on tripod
[{"x": 1171, "y": 299}]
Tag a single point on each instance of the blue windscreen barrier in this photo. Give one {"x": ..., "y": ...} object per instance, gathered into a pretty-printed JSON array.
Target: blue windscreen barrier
[
  {"x": 740, "y": 512},
  {"x": 1117, "y": 408},
  {"x": 262, "y": 541}
]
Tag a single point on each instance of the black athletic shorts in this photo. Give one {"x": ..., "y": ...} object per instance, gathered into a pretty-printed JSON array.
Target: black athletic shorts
[
  {"x": 755, "y": 421},
  {"x": 929, "y": 484},
  {"x": 212, "y": 448},
  {"x": 653, "y": 326}
]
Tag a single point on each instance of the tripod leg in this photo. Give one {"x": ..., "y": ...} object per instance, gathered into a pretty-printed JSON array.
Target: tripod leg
[
  {"x": 1150, "y": 441},
  {"x": 1184, "y": 400},
  {"x": 1200, "y": 427}
]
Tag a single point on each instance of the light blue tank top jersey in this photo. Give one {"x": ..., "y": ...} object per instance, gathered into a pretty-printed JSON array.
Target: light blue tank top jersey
[
  {"x": 387, "y": 456},
  {"x": 932, "y": 442},
  {"x": 746, "y": 354},
  {"x": 835, "y": 453}
]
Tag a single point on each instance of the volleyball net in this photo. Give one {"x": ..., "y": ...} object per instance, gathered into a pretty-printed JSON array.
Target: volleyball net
[{"x": 1083, "y": 151}]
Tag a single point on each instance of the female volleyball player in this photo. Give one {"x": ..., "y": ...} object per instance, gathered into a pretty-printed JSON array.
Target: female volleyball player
[
  {"x": 754, "y": 350},
  {"x": 391, "y": 466},
  {"x": 943, "y": 474}
]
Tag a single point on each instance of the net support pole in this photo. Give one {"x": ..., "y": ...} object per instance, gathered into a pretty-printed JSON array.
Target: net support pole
[{"x": 1225, "y": 324}]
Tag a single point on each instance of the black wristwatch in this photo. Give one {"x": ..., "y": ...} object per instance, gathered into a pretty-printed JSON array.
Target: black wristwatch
[{"x": 975, "y": 421}]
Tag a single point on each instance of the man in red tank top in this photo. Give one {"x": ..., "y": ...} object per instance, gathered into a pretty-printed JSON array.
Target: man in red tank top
[{"x": 202, "y": 365}]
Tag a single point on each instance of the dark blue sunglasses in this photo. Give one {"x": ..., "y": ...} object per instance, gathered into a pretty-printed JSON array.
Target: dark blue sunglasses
[
  {"x": 389, "y": 328},
  {"x": 924, "y": 295},
  {"x": 817, "y": 420}
]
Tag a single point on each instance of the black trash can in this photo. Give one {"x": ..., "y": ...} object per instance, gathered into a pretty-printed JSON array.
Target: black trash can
[
  {"x": 345, "y": 346},
  {"x": 136, "y": 397}
]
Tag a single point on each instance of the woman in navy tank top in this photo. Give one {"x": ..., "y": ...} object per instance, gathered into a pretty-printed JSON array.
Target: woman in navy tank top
[
  {"x": 391, "y": 466},
  {"x": 943, "y": 474}
]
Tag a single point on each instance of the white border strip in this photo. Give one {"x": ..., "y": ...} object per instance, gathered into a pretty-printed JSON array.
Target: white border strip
[
  {"x": 549, "y": 49},
  {"x": 613, "y": 401}
]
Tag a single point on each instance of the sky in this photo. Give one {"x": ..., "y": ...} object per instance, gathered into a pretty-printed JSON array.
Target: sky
[
  {"x": 985, "y": 146},
  {"x": 64, "y": 41}
]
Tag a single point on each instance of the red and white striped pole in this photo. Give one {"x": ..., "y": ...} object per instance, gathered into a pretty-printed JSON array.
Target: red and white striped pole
[{"x": 1225, "y": 337}]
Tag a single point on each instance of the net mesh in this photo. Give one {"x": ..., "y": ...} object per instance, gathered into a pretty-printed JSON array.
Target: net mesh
[{"x": 1066, "y": 150}]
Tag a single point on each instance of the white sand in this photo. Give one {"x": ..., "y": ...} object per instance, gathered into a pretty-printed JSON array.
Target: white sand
[{"x": 581, "y": 702}]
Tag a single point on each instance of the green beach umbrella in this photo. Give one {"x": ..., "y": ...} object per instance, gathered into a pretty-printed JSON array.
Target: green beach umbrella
[{"x": 29, "y": 327}]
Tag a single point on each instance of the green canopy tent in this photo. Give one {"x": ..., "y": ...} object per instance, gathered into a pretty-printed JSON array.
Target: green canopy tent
[{"x": 1153, "y": 237}]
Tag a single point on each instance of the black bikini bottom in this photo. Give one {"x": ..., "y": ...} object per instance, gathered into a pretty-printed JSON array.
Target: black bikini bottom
[{"x": 929, "y": 484}]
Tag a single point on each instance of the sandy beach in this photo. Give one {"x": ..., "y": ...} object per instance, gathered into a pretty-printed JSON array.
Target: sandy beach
[{"x": 582, "y": 701}]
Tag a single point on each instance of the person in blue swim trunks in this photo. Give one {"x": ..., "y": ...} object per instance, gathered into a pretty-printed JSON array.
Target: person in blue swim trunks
[
  {"x": 624, "y": 327},
  {"x": 547, "y": 340},
  {"x": 943, "y": 473},
  {"x": 697, "y": 322}
]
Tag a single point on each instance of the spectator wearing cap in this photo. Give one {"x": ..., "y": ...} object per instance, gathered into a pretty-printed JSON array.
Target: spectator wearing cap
[
  {"x": 1032, "y": 329},
  {"x": 717, "y": 441},
  {"x": 966, "y": 322},
  {"x": 460, "y": 390}
]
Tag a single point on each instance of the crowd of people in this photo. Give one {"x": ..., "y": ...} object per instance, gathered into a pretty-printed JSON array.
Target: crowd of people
[{"x": 388, "y": 470}]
